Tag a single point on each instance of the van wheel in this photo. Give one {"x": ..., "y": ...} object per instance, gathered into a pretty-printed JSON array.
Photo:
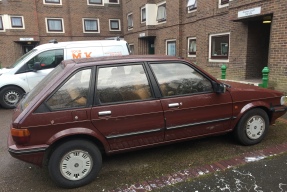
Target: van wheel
[
  {"x": 75, "y": 163},
  {"x": 252, "y": 127},
  {"x": 10, "y": 96}
]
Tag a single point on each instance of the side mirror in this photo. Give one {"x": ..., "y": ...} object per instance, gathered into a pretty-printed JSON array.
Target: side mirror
[
  {"x": 37, "y": 66},
  {"x": 219, "y": 88}
]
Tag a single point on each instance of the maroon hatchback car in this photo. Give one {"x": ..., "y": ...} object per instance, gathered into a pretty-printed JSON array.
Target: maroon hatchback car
[{"x": 88, "y": 107}]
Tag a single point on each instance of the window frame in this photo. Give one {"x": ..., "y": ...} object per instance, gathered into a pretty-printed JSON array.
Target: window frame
[
  {"x": 118, "y": 2},
  {"x": 161, "y": 20},
  {"x": 95, "y": 4},
  {"x": 1, "y": 23},
  {"x": 194, "y": 7},
  {"x": 223, "y": 3},
  {"x": 132, "y": 53},
  {"x": 91, "y": 31},
  {"x": 55, "y": 31},
  {"x": 191, "y": 54},
  {"x": 132, "y": 22},
  {"x": 17, "y": 27},
  {"x": 143, "y": 20},
  {"x": 166, "y": 46},
  {"x": 119, "y": 24},
  {"x": 220, "y": 58},
  {"x": 46, "y": 2}
]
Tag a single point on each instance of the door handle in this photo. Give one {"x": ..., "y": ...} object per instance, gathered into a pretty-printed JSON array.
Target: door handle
[
  {"x": 173, "y": 105},
  {"x": 102, "y": 113}
]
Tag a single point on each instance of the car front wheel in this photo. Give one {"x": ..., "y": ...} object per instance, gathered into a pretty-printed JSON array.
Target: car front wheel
[
  {"x": 75, "y": 163},
  {"x": 10, "y": 96},
  {"x": 252, "y": 127}
]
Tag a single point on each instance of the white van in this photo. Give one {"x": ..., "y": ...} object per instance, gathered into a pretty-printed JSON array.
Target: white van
[{"x": 22, "y": 76}]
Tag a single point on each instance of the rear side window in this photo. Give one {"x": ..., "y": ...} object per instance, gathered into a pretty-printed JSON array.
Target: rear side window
[
  {"x": 122, "y": 83},
  {"x": 47, "y": 59},
  {"x": 74, "y": 93}
]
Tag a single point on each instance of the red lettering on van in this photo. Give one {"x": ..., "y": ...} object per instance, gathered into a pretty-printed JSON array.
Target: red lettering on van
[
  {"x": 88, "y": 55},
  {"x": 76, "y": 54}
]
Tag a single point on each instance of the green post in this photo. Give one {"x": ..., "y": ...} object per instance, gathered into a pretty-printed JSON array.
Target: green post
[
  {"x": 265, "y": 78},
  {"x": 0, "y": 66},
  {"x": 223, "y": 71}
]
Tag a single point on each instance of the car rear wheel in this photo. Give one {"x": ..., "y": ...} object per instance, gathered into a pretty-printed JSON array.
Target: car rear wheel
[
  {"x": 252, "y": 127},
  {"x": 10, "y": 96},
  {"x": 75, "y": 163}
]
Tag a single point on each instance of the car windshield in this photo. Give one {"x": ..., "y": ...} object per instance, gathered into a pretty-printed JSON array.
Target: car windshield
[
  {"x": 36, "y": 90},
  {"x": 22, "y": 58}
]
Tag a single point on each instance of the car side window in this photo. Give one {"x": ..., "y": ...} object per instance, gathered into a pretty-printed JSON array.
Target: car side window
[
  {"x": 122, "y": 83},
  {"x": 74, "y": 93},
  {"x": 47, "y": 59},
  {"x": 180, "y": 79}
]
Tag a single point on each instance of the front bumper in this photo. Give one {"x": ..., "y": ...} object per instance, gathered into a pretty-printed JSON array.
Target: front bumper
[{"x": 30, "y": 154}]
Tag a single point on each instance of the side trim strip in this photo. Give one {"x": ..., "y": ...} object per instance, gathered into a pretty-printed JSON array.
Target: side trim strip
[
  {"x": 198, "y": 123},
  {"x": 26, "y": 151},
  {"x": 133, "y": 133}
]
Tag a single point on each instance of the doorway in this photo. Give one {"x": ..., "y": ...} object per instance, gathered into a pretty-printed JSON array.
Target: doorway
[
  {"x": 146, "y": 46},
  {"x": 257, "y": 46}
]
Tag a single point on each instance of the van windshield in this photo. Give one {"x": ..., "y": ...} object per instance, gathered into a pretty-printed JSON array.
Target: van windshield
[
  {"x": 22, "y": 58},
  {"x": 36, "y": 90}
]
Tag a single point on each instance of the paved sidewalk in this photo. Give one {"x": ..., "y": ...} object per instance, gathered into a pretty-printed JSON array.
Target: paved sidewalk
[{"x": 192, "y": 173}]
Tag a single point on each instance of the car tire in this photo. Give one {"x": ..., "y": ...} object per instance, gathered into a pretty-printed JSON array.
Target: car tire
[
  {"x": 252, "y": 127},
  {"x": 75, "y": 163},
  {"x": 10, "y": 96}
]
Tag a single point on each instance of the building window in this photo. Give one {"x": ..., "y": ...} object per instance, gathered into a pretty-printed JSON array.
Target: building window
[
  {"x": 52, "y": 1},
  {"x": 1, "y": 23},
  {"x": 132, "y": 49},
  {"x": 115, "y": 25},
  {"x": 161, "y": 12},
  {"x": 95, "y": 2},
  {"x": 191, "y": 5},
  {"x": 55, "y": 25},
  {"x": 219, "y": 46},
  {"x": 91, "y": 25},
  {"x": 223, "y": 2},
  {"x": 171, "y": 47},
  {"x": 130, "y": 21},
  {"x": 143, "y": 14},
  {"x": 191, "y": 47},
  {"x": 17, "y": 22},
  {"x": 113, "y": 1}
]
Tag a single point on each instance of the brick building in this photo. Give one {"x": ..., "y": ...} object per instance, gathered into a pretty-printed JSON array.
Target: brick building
[{"x": 245, "y": 35}]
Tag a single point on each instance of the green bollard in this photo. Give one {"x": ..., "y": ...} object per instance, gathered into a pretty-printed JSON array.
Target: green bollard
[
  {"x": 223, "y": 71},
  {"x": 265, "y": 78}
]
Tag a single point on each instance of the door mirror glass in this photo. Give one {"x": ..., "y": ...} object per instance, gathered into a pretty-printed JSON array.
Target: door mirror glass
[{"x": 37, "y": 66}]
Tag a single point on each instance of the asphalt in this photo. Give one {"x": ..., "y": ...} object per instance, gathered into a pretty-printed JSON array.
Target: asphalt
[{"x": 257, "y": 171}]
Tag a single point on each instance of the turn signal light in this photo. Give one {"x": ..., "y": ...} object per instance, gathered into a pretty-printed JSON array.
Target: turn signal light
[{"x": 20, "y": 136}]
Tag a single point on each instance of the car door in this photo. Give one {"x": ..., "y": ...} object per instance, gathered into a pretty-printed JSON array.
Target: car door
[
  {"x": 191, "y": 107},
  {"x": 48, "y": 61},
  {"x": 126, "y": 112}
]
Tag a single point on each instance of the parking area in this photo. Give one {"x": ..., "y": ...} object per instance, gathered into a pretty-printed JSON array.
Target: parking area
[{"x": 133, "y": 167}]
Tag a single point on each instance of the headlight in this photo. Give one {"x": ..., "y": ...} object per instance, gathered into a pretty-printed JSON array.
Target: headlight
[{"x": 283, "y": 100}]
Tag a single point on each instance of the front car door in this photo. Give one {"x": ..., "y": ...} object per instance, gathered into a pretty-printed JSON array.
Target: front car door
[
  {"x": 48, "y": 60},
  {"x": 125, "y": 111},
  {"x": 191, "y": 107}
]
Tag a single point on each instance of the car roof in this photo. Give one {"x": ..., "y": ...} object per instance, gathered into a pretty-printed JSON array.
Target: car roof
[{"x": 120, "y": 59}]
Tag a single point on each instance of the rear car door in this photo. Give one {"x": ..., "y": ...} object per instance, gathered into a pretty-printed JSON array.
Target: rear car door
[
  {"x": 125, "y": 111},
  {"x": 191, "y": 107}
]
